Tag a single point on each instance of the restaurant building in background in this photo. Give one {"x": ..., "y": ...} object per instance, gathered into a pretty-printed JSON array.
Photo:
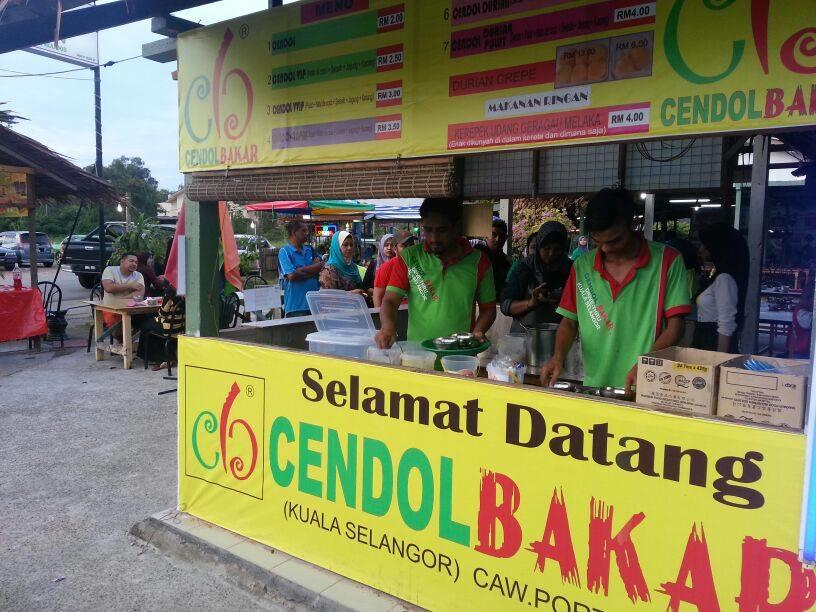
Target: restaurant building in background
[{"x": 447, "y": 491}]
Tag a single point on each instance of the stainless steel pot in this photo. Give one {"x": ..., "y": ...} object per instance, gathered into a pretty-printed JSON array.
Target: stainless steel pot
[{"x": 540, "y": 347}]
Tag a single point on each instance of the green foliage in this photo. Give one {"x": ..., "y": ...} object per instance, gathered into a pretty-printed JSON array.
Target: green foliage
[
  {"x": 248, "y": 262},
  {"x": 142, "y": 235},
  {"x": 531, "y": 213},
  {"x": 131, "y": 177}
]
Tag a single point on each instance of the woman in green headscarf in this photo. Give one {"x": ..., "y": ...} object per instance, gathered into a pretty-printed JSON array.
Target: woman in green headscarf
[{"x": 340, "y": 271}]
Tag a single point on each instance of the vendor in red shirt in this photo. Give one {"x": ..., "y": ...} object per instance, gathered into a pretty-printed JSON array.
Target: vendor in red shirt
[
  {"x": 442, "y": 279},
  {"x": 383, "y": 273}
]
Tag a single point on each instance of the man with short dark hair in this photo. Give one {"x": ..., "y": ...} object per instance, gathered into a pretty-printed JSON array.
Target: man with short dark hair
[
  {"x": 501, "y": 262},
  {"x": 626, "y": 298},
  {"x": 299, "y": 267},
  {"x": 123, "y": 281},
  {"x": 442, "y": 278}
]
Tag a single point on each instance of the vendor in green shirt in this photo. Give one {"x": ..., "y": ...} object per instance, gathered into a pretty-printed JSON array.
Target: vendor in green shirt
[
  {"x": 625, "y": 298},
  {"x": 442, "y": 278}
]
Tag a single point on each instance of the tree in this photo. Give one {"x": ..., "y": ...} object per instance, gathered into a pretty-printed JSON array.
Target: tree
[{"x": 130, "y": 176}]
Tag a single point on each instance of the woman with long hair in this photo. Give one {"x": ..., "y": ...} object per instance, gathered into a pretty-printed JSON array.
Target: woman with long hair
[
  {"x": 340, "y": 271},
  {"x": 721, "y": 300}
]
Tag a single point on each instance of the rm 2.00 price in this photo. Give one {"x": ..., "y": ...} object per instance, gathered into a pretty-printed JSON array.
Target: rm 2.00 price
[
  {"x": 387, "y": 127},
  {"x": 389, "y": 21},
  {"x": 389, "y": 59}
]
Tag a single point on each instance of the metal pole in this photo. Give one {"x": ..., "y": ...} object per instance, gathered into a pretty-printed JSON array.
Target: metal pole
[
  {"x": 756, "y": 235},
  {"x": 737, "y": 207},
  {"x": 648, "y": 216},
  {"x": 98, "y": 119}
]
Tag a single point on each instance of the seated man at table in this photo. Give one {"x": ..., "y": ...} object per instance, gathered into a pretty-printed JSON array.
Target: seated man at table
[{"x": 121, "y": 284}]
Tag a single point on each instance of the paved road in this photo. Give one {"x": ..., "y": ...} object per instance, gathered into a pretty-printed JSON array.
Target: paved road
[{"x": 88, "y": 450}]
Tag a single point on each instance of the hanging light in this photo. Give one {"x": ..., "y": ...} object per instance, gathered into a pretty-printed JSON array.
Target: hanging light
[
  {"x": 252, "y": 225},
  {"x": 119, "y": 208}
]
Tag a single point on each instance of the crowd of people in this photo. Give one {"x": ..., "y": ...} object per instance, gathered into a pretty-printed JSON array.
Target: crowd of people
[{"x": 623, "y": 295}]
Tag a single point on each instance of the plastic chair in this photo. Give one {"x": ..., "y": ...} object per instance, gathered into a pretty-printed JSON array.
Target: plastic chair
[
  {"x": 228, "y": 316},
  {"x": 52, "y": 305},
  {"x": 97, "y": 295},
  {"x": 167, "y": 336},
  {"x": 254, "y": 280},
  {"x": 51, "y": 293}
]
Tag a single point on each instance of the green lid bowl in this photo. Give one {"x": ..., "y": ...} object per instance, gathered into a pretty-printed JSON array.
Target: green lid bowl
[{"x": 428, "y": 345}]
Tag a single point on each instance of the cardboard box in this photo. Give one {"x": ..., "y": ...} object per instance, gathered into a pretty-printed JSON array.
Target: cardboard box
[
  {"x": 764, "y": 397},
  {"x": 680, "y": 379}
]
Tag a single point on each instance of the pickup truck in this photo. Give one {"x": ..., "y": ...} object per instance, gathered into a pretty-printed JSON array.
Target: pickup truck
[{"x": 83, "y": 255}]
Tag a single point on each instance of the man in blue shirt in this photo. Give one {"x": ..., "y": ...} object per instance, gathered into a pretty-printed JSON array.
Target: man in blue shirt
[{"x": 300, "y": 267}]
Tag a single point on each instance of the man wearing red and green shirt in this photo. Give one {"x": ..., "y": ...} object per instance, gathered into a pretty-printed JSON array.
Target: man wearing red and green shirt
[
  {"x": 626, "y": 298},
  {"x": 442, "y": 278}
]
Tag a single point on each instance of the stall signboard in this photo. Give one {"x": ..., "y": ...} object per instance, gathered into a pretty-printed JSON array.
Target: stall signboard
[
  {"x": 13, "y": 188},
  {"x": 452, "y": 493},
  {"x": 333, "y": 81}
]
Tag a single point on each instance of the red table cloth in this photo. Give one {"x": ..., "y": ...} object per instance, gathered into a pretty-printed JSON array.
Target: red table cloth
[{"x": 21, "y": 314}]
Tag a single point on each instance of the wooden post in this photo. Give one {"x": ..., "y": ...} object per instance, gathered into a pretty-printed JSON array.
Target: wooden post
[
  {"x": 32, "y": 242},
  {"x": 204, "y": 286},
  {"x": 756, "y": 241}
]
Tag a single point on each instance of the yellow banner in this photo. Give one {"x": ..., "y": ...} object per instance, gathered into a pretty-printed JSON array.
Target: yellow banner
[
  {"x": 456, "y": 494},
  {"x": 332, "y": 81}
]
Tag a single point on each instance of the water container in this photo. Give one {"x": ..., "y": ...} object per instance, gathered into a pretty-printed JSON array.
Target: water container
[{"x": 344, "y": 325}]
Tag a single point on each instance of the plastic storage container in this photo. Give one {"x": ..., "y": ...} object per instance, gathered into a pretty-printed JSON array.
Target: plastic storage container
[
  {"x": 464, "y": 365},
  {"x": 391, "y": 356},
  {"x": 344, "y": 325}
]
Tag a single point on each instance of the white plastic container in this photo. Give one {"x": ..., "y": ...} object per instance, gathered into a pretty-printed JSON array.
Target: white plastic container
[
  {"x": 422, "y": 360},
  {"x": 463, "y": 365},
  {"x": 344, "y": 324},
  {"x": 392, "y": 356}
]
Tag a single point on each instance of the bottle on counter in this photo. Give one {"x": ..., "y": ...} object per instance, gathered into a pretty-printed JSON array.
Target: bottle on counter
[{"x": 17, "y": 275}]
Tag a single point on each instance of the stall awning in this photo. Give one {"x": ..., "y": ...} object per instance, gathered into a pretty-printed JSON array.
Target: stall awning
[
  {"x": 395, "y": 209},
  {"x": 316, "y": 208}
]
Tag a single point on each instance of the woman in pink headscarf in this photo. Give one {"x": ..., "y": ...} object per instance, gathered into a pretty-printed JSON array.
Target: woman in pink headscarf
[{"x": 386, "y": 250}]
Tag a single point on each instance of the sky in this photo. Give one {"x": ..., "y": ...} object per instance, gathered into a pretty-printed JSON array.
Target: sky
[{"x": 139, "y": 101}]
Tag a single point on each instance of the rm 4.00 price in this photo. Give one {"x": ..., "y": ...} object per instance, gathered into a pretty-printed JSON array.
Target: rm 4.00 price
[
  {"x": 390, "y": 59},
  {"x": 389, "y": 21},
  {"x": 385, "y": 127}
]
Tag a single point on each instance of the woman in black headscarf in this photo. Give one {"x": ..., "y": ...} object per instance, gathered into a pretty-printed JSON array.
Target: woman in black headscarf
[
  {"x": 534, "y": 287},
  {"x": 721, "y": 300}
]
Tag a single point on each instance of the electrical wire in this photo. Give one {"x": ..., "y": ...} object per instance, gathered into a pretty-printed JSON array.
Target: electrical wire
[
  {"x": 107, "y": 64},
  {"x": 66, "y": 78},
  {"x": 646, "y": 154}
]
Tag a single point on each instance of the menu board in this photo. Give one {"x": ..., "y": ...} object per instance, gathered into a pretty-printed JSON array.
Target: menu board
[{"x": 345, "y": 80}]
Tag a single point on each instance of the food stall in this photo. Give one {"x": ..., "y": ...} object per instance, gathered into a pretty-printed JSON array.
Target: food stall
[{"x": 454, "y": 492}]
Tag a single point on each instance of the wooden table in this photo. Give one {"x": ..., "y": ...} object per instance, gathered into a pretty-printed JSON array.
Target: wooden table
[{"x": 126, "y": 312}]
